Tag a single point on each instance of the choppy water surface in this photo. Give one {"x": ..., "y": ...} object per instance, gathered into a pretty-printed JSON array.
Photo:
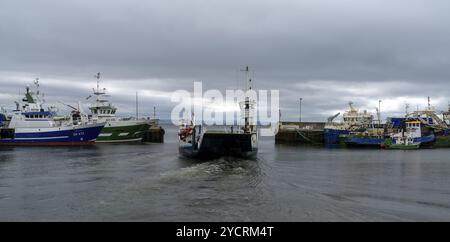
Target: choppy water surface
[{"x": 285, "y": 183}]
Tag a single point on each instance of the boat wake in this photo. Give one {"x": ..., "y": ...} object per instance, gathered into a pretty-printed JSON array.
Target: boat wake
[{"x": 213, "y": 169}]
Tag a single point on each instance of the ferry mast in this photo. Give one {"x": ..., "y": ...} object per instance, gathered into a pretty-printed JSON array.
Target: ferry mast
[{"x": 247, "y": 104}]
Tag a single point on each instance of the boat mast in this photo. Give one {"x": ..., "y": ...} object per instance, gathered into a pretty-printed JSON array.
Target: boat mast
[
  {"x": 406, "y": 109},
  {"x": 97, "y": 93},
  {"x": 36, "y": 83},
  {"x": 248, "y": 86},
  {"x": 379, "y": 115},
  {"x": 137, "y": 107}
]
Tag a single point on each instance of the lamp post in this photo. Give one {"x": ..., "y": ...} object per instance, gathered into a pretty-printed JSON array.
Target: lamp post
[
  {"x": 379, "y": 114},
  {"x": 300, "y": 110},
  {"x": 379, "y": 110}
]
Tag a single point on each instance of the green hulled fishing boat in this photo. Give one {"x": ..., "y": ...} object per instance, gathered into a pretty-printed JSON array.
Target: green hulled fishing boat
[
  {"x": 442, "y": 141},
  {"x": 443, "y": 134},
  {"x": 116, "y": 129},
  {"x": 390, "y": 145},
  {"x": 409, "y": 138}
]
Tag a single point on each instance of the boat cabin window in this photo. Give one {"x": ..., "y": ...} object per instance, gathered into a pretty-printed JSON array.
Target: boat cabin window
[
  {"x": 413, "y": 125},
  {"x": 36, "y": 116}
]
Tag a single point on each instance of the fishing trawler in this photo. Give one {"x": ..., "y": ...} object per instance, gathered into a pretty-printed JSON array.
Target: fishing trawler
[
  {"x": 353, "y": 121},
  {"x": 368, "y": 136},
  {"x": 409, "y": 138},
  {"x": 116, "y": 129},
  {"x": 31, "y": 124},
  {"x": 196, "y": 141},
  {"x": 363, "y": 140},
  {"x": 435, "y": 129},
  {"x": 443, "y": 135}
]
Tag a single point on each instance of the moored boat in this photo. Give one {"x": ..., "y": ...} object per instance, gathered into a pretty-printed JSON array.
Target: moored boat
[
  {"x": 411, "y": 137},
  {"x": 353, "y": 121},
  {"x": 435, "y": 128}
]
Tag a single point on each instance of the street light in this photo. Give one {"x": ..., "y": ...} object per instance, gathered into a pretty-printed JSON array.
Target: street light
[
  {"x": 379, "y": 114},
  {"x": 300, "y": 110},
  {"x": 379, "y": 110}
]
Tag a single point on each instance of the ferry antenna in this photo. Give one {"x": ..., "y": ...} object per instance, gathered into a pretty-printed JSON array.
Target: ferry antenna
[{"x": 247, "y": 79}]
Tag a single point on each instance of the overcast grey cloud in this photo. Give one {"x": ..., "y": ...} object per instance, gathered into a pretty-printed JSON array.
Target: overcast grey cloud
[{"x": 327, "y": 51}]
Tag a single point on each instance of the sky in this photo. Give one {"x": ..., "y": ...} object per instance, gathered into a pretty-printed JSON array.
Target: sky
[{"x": 327, "y": 52}]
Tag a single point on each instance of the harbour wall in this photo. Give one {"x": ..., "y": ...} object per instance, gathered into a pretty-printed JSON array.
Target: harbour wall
[
  {"x": 154, "y": 135},
  {"x": 300, "y": 133}
]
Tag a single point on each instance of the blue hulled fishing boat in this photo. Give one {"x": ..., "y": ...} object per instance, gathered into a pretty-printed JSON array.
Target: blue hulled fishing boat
[
  {"x": 365, "y": 141},
  {"x": 31, "y": 124},
  {"x": 353, "y": 121}
]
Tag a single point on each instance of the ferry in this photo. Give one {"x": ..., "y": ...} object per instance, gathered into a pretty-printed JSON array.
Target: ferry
[
  {"x": 197, "y": 142},
  {"x": 31, "y": 124},
  {"x": 116, "y": 129}
]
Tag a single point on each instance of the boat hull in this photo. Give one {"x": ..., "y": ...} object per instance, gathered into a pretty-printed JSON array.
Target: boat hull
[
  {"x": 83, "y": 135},
  {"x": 214, "y": 145},
  {"x": 364, "y": 142},
  {"x": 118, "y": 131},
  {"x": 413, "y": 146},
  {"x": 403, "y": 147},
  {"x": 332, "y": 136},
  {"x": 426, "y": 141},
  {"x": 442, "y": 141}
]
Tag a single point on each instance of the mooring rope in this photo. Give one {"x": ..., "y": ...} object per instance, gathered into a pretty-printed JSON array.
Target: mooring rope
[{"x": 306, "y": 138}]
